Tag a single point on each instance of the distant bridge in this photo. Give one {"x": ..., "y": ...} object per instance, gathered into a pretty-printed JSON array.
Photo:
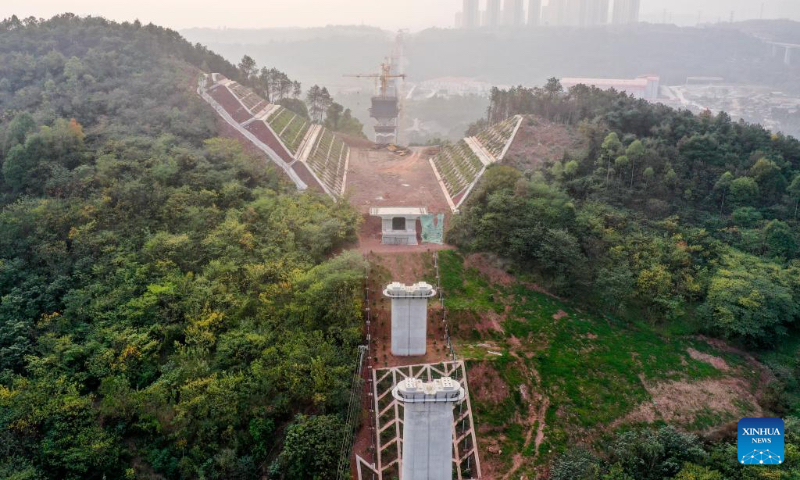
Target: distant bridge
[{"x": 788, "y": 49}]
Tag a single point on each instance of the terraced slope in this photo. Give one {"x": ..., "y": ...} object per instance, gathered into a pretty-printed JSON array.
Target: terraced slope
[
  {"x": 328, "y": 160},
  {"x": 458, "y": 166},
  {"x": 287, "y": 134},
  {"x": 290, "y": 127},
  {"x": 249, "y": 98},
  {"x": 495, "y": 138}
]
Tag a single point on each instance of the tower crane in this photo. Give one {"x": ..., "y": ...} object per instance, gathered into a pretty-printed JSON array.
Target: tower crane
[
  {"x": 385, "y": 104},
  {"x": 382, "y": 78}
]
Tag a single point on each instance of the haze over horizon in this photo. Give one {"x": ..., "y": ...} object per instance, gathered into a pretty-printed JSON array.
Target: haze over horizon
[{"x": 183, "y": 14}]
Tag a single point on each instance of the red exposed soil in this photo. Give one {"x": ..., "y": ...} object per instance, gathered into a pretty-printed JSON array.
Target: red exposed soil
[
  {"x": 715, "y": 362},
  {"x": 681, "y": 402},
  {"x": 485, "y": 383},
  {"x": 491, "y": 266},
  {"x": 379, "y": 178},
  {"x": 540, "y": 142},
  {"x": 765, "y": 375},
  {"x": 355, "y": 142},
  {"x": 488, "y": 265},
  {"x": 302, "y": 171},
  {"x": 560, "y": 314},
  {"x": 226, "y": 130},
  {"x": 263, "y": 133},
  {"x": 225, "y": 98}
]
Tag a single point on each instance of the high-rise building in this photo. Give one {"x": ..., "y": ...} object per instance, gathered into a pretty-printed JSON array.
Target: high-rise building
[
  {"x": 577, "y": 13},
  {"x": 626, "y": 11},
  {"x": 595, "y": 12},
  {"x": 534, "y": 12},
  {"x": 513, "y": 13},
  {"x": 493, "y": 13},
  {"x": 472, "y": 14}
]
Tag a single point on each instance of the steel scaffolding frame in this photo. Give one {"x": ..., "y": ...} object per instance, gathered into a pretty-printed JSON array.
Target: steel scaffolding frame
[{"x": 388, "y": 414}]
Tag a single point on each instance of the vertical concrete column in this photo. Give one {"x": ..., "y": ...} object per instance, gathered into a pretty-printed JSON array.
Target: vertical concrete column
[
  {"x": 427, "y": 448},
  {"x": 787, "y": 58},
  {"x": 409, "y": 317}
]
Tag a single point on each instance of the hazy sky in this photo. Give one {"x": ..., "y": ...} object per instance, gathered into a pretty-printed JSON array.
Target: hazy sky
[{"x": 391, "y": 14}]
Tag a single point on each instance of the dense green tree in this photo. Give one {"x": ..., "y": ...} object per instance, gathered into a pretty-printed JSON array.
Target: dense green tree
[
  {"x": 746, "y": 216},
  {"x": 635, "y": 153},
  {"x": 780, "y": 240},
  {"x": 247, "y": 66},
  {"x": 311, "y": 450},
  {"x": 610, "y": 152},
  {"x": 751, "y": 299},
  {"x": 296, "y": 105},
  {"x": 691, "y": 471},
  {"x": 576, "y": 464},
  {"x": 339, "y": 119},
  {"x": 17, "y": 130},
  {"x": 723, "y": 187},
  {"x": 769, "y": 178},
  {"x": 319, "y": 101},
  {"x": 744, "y": 191},
  {"x": 794, "y": 191},
  {"x": 167, "y": 304}
]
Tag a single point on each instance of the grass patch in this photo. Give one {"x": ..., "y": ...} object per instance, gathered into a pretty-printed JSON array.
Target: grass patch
[
  {"x": 593, "y": 368},
  {"x": 465, "y": 288}
]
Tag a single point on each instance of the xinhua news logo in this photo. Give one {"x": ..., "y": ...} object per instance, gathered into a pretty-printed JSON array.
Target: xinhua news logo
[{"x": 761, "y": 441}]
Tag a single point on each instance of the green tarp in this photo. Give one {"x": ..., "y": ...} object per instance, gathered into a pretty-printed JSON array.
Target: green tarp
[{"x": 432, "y": 228}]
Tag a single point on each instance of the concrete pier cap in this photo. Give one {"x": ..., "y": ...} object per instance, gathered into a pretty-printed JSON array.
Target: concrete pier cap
[
  {"x": 441, "y": 390},
  {"x": 427, "y": 446},
  {"x": 409, "y": 317},
  {"x": 417, "y": 290}
]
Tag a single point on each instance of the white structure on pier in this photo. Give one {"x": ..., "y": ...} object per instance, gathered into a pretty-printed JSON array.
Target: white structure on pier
[
  {"x": 409, "y": 317},
  {"x": 398, "y": 224},
  {"x": 427, "y": 448}
]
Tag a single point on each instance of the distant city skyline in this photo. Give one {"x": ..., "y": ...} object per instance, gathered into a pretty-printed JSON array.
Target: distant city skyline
[
  {"x": 599, "y": 12},
  {"x": 387, "y": 14}
]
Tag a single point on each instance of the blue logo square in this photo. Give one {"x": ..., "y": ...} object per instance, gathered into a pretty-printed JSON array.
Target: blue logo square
[{"x": 761, "y": 441}]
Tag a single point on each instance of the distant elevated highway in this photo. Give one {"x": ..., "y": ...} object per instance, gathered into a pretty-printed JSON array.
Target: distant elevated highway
[{"x": 789, "y": 49}]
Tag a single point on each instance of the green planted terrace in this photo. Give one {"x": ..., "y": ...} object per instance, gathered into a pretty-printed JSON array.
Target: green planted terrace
[
  {"x": 496, "y": 137},
  {"x": 249, "y": 98},
  {"x": 328, "y": 158},
  {"x": 458, "y": 166},
  {"x": 290, "y": 127}
]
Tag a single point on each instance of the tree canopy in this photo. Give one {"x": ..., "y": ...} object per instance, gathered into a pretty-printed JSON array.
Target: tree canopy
[{"x": 168, "y": 305}]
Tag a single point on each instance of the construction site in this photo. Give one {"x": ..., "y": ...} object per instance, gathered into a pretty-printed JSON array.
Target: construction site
[
  {"x": 411, "y": 413},
  {"x": 413, "y": 407}
]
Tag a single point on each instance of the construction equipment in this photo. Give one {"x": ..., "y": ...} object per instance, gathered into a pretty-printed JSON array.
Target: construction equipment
[
  {"x": 382, "y": 78},
  {"x": 385, "y": 106}
]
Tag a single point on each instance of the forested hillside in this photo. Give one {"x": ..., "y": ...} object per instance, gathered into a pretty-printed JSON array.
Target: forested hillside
[
  {"x": 664, "y": 215},
  {"x": 168, "y": 308},
  {"x": 664, "y": 221}
]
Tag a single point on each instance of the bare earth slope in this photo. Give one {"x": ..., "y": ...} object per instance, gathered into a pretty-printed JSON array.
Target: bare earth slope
[{"x": 540, "y": 142}]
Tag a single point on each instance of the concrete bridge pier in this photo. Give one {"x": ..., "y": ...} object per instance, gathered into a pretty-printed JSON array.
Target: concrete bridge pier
[
  {"x": 787, "y": 57},
  {"x": 409, "y": 317},
  {"x": 427, "y": 448}
]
